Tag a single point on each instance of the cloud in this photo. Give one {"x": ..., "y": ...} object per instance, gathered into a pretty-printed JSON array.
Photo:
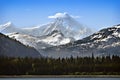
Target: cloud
[
  {"x": 75, "y": 16},
  {"x": 62, "y": 15},
  {"x": 58, "y": 15}
]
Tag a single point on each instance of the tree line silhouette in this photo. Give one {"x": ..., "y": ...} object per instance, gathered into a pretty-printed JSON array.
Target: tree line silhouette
[{"x": 105, "y": 65}]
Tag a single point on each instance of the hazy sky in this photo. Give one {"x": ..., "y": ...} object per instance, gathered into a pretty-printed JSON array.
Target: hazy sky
[{"x": 93, "y": 13}]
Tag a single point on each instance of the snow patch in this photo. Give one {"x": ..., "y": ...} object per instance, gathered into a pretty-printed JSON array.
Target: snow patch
[
  {"x": 118, "y": 26},
  {"x": 96, "y": 36},
  {"x": 116, "y": 34}
]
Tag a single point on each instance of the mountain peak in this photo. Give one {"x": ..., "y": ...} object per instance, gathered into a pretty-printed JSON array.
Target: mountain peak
[
  {"x": 7, "y": 24},
  {"x": 68, "y": 25}
]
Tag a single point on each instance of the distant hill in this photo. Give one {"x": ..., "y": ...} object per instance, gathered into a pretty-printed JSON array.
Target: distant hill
[{"x": 12, "y": 48}]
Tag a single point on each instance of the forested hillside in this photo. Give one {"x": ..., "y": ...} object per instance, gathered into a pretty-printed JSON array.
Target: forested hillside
[{"x": 61, "y": 66}]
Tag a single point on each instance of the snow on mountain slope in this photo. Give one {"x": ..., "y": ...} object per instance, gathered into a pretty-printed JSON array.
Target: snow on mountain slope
[
  {"x": 62, "y": 22},
  {"x": 9, "y": 27},
  {"x": 56, "y": 38},
  {"x": 23, "y": 38},
  {"x": 68, "y": 25},
  {"x": 105, "y": 42}
]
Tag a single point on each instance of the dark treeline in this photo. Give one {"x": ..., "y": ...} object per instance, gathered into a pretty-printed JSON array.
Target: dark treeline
[{"x": 62, "y": 66}]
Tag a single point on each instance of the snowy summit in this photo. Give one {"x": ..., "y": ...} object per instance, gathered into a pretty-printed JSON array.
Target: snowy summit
[{"x": 62, "y": 22}]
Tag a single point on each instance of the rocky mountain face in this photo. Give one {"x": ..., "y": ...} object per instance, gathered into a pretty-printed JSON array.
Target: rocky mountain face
[{"x": 12, "y": 48}]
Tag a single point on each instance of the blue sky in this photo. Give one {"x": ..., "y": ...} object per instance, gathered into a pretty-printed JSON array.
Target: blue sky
[{"x": 94, "y": 13}]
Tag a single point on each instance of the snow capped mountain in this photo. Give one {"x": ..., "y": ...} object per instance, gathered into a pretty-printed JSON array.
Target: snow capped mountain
[
  {"x": 62, "y": 22},
  {"x": 56, "y": 38},
  {"x": 68, "y": 25},
  {"x": 59, "y": 38},
  {"x": 106, "y": 34},
  {"x": 64, "y": 29},
  {"x": 105, "y": 42},
  {"x": 8, "y": 27}
]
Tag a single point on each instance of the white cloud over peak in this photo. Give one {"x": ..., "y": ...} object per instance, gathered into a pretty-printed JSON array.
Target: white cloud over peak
[{"x": 62, "y": 15}]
